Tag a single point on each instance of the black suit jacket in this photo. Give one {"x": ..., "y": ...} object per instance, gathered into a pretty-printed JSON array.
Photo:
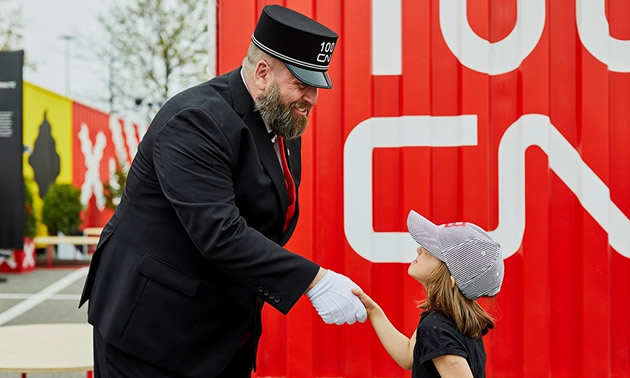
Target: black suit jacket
[{"x": 197, "y": 236}]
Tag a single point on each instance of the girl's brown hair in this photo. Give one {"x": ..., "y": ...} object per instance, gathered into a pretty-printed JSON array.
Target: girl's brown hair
[{"x": 469, "y": 317}]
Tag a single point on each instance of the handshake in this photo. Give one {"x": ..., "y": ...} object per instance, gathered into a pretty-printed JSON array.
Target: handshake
[{"x": 334, "y": 301}]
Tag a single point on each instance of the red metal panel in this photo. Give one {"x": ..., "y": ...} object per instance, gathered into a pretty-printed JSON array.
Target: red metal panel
[
  {"x": 619, "y": 182},
  {"x": 106, "y": 141},
  {"x": 562, "y": 310},
  {"x": 95, "y": 122}
]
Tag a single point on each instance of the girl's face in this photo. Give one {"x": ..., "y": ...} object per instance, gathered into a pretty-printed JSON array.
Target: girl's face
[{"x": 422, "y": 266}]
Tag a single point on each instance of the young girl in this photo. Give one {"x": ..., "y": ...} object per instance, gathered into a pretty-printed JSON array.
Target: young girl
[{"x": 456, "y": 263}]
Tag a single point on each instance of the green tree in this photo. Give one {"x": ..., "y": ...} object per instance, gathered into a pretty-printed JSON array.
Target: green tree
[
  {"x": 113, "y": 193},
  {"x": 10, "y": 27},
  {"x": 30, "y": 221},
  {"x": 154, "y": 49},
  {"x": 62, "y": 208}
]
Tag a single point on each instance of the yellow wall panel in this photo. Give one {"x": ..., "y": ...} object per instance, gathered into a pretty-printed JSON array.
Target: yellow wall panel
[{"x": 39, "y": 105}]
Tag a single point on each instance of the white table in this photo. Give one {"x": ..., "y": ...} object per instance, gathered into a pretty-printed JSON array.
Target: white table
[
  {"x": 52, "y": 240},
  {"x": 39, "y": 348},
  {"x": 92, "y": 231}
]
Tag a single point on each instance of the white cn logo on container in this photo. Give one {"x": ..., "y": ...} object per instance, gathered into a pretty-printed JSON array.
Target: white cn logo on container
[
  {"x": 495, "y": 58},
  {"x": 461, "y": 130}
]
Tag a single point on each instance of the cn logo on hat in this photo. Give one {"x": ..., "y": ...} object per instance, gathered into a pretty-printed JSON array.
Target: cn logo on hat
[
  {"x": 326, "y": 52},
  {"x": 455, "y": 224},
  {"x": 303, "y": 44}
]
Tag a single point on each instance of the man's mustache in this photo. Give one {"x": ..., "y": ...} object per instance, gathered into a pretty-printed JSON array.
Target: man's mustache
[{"x": 302, "y": 105}]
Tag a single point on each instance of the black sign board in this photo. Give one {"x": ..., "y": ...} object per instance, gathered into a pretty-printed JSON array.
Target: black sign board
[{"x": 11, "y": 149}]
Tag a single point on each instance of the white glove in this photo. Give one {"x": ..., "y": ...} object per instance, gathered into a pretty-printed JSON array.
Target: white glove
[{"x": 333, "y": 299}]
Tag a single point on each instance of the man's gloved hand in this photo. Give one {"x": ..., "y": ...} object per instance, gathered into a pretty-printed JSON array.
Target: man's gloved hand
[{"x": 333, "y": 299}]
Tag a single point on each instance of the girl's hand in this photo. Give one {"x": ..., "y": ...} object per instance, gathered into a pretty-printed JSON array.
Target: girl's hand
[
  {"x": 399, "y": 346},
  {"x": 371, "y": 307}
]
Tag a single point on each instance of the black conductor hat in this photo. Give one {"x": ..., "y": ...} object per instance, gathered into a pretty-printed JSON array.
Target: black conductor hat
[{"x": 303, "y": 44}]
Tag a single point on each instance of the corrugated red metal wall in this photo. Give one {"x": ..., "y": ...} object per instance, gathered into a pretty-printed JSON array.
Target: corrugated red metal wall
[
  {"x": 92, "y": 149},
  {"x": 100, "y": 141},
  {"x": 511, "y": 114}
]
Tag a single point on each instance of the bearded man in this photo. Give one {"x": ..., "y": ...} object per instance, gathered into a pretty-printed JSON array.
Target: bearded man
[{"x": 194, "y": 250}]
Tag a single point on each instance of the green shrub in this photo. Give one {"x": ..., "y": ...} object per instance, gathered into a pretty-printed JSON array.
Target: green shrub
[
  {"x": 113, "y": 194},
  {"x": 61, "y": 209},
  {"x": 30, "y": 222}
]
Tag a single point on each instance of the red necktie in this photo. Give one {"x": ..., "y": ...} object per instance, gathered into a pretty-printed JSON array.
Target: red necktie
[{"x": 288, "y": 180}]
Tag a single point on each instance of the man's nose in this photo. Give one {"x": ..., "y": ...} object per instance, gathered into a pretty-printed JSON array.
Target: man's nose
[{"x": 310, "y": 95}]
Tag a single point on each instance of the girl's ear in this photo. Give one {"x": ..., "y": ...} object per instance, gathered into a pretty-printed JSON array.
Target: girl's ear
[{"x": 452, "y": 282}]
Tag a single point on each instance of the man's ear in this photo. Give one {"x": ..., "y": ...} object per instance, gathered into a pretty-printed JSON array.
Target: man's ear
[
  {"x": 262, "y": 75},
  {"x": 452, "y": 282}
]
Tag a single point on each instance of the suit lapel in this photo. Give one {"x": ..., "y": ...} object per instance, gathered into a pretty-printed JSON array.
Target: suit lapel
[{"x": 244, "y": 106}]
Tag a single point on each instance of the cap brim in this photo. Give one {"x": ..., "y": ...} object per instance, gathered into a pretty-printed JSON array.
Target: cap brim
[
  {"x": 425, "y": 233},
  {"x": 317, "y": 79}
]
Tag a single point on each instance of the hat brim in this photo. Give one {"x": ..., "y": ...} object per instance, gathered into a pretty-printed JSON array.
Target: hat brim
[
  {"x": 425, "y": 233},
  {"x": 317, "y": 79}
]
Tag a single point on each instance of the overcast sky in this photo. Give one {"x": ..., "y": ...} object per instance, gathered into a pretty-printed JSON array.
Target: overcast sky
[{"x": 45, "y": 22}]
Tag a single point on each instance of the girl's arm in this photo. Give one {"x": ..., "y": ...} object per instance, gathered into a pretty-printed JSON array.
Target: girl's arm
[
  {"x": 451, "y": 365},
  {"x": 399, "y": 346}
]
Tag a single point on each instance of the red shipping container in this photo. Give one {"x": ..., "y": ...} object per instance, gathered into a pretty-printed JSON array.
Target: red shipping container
[{"x": 511, "y": 114}]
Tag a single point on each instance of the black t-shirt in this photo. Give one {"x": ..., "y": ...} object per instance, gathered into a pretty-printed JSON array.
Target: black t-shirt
[{"x": 437, "y": 336}]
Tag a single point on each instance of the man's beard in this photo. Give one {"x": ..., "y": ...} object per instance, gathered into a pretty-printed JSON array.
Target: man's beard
[{"x": 279, "y": 116}]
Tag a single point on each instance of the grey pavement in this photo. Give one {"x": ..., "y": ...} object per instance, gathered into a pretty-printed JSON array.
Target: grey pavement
[{"x": 44, "y": 295}]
